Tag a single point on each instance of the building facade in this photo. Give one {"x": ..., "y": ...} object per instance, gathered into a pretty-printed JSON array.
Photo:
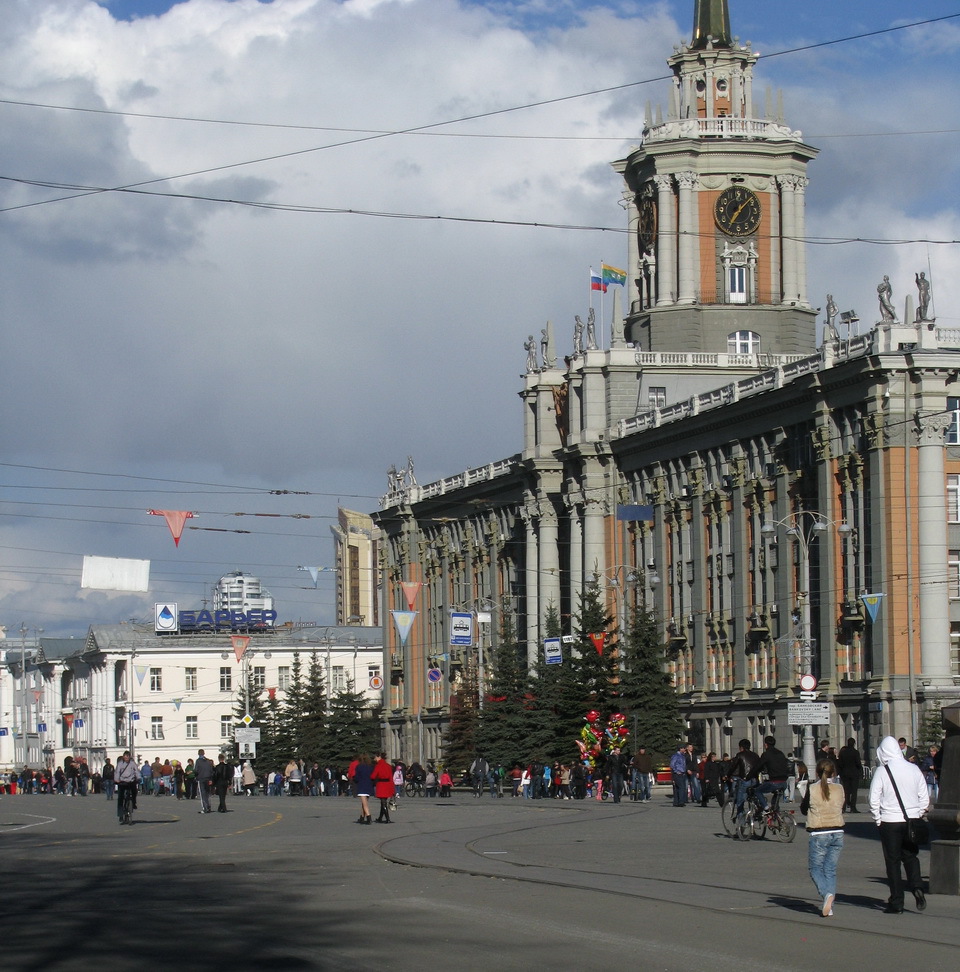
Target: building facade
[
  {"x": 786, "y": 510},
  {"x": 127, "y": 687},
  {"x": 356, "y": 541}
]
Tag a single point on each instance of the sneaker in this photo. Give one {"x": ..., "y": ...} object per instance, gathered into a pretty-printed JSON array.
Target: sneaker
[
  {"x": 827, "y": 909},
  {"x": 921, "y": 900}
]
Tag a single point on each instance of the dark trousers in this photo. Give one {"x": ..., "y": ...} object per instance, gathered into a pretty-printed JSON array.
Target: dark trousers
[
  {"x": 850, "y": 784},
  {"x": 896, "y": 851},
  {"x": 679, "y": 789}
]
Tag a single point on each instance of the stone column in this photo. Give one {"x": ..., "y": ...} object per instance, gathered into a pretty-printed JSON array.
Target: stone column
[
  {"x": 666, "y": 242},
  {"x": 800, "y": 231},
  {"x": 549, "y": 558},
  {"x": 688, "y": 245},
  {"x": 629, "y": 203},
  {"x": 931, "y": 427},
  {"x": 576, "y": 549},
  {"x": 528, "y": 513},
  {"x": 788, "y": 232}
]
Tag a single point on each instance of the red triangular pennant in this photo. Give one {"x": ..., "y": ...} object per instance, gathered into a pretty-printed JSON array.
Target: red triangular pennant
[
  {"x": 175, "y": 520},
  {"x": 410, "y": 591},
  {"x": 239, "y": 643},
  {"x": 597, "y": 640}
]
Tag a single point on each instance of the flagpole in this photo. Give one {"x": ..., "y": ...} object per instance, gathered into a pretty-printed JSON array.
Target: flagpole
[{"x": 603, "y": 290}]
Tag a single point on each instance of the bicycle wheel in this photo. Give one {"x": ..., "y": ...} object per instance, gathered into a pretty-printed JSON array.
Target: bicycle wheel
[
  {"x": 727, "y": 818},
  {"x": 410, "y": 788},
  {"x": 787, "y": 829},
  {"x": 743, "y": 826},
  {"x": 759, "y": 822}
]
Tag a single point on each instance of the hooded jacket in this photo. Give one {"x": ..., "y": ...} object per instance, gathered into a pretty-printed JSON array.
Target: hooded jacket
[{"x": 910, "y": 782}]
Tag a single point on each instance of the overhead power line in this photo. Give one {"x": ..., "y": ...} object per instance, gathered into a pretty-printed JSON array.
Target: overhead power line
[{"x": 434, "y": 125}]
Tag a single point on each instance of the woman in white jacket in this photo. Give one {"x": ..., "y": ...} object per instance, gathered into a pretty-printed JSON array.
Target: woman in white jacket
[{"x": 886, "y": 811}]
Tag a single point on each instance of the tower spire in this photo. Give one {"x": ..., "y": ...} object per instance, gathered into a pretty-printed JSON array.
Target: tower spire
[{"x": 711, "y": 18}]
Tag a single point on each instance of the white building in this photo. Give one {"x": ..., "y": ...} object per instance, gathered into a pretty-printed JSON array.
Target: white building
[
  {"x": 126, "y": 686},
  {"x": 238, "y": 591}
]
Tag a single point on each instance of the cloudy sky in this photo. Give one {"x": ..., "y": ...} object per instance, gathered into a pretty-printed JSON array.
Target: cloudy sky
[{"x": 319, "y": 254}]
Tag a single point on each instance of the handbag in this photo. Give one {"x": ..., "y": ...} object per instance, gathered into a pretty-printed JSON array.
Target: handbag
[{"x": 917, "y": 830}]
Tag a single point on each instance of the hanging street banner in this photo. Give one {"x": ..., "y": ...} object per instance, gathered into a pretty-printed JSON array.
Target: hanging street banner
[
  {"x": 633, "y": 513},
  {"x": 552, "y": 652},
  {"x": 403, "y": 620},
  {"x": 461, "y": 629},
  {"x": 872, "y": 603},
  {"x": 115, "y": 574},
  {"x": 239, "y": 643},
  {"x": 410, "y": 591}
]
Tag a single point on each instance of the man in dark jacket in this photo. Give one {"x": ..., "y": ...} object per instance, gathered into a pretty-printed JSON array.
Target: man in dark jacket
[
  {"x": 741, "y": 767},
  {"x": 613, "y": 770},
  {"x": 222, "y": 778},
  {"x": 204, "y": 770},
  {"x": 775, "y": 764},
  {"x": 850, "y": 768}
]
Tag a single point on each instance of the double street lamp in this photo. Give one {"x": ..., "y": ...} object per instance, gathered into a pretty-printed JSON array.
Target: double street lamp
[{"x": 803, "y": 528}]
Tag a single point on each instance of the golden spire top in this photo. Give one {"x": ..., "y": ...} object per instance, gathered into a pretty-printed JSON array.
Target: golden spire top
[{"x": 711, "y": 18}]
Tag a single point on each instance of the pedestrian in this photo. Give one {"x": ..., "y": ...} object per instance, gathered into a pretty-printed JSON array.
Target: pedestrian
[
  {"x": 190, "y": 780},
  {"x": 678, "y": 774},
  {"x": 362, "y": 779},
  {"x": 446, "y": 784},
  {"x": 249, "y": 778},
  {"x": 125, "y": 775},
  {"x": 204, "y": 775},
  {"x": 614, "y": 773},
  {"x": 928, "y": 766},
  {"x": 222, "y": 780},
  {"x": 641, "y": 769},
  {"x": 710, "y": 783},
  {"x": 106, "y": 776},
  {"x": 850, "y": 768},
  {"x": 382, "y": 777},
  {"x": 824, "y": 804},
  {"x": 898, "y": 792}
]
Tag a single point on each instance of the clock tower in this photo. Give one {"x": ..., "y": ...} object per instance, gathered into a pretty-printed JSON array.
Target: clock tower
[{"x": 715, "y": 197}]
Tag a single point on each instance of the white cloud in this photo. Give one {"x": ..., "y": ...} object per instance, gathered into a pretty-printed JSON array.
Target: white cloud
[{"x": 199, "y": 341}]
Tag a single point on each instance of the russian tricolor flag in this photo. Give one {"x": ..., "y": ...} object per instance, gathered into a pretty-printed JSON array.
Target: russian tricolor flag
[{"x": 596, "y": 282}]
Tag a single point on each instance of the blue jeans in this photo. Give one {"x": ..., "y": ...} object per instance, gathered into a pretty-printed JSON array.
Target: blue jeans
[
  {"x": 640, "y": 784},
  {"x": 770, "y": 787},
  {"x": 679, "y": 789},
  {"x": 824, "y": 852},
  {"x": 108, "y": 787},
  {"x": 740, "y": 788}
]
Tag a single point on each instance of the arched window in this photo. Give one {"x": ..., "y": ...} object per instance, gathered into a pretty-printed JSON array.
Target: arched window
[{"x": 743, "y": 342}]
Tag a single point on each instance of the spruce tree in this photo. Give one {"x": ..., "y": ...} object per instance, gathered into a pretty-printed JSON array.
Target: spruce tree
[
  {"x": 460, "y": 738},
  {"x": 646, "y": 692},
  {"x": 313, "y": 720},
  {"x": 353, "y": 727},
  {"x": 504, "y": 721},
  {"x": 293, "y": 708}
]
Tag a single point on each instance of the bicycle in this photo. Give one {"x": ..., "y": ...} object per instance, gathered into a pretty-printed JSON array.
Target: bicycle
[
  {"x": 126, "y": 806},
  {"x": 414, "y": 788},
  {"x": 756, "y": 819}
]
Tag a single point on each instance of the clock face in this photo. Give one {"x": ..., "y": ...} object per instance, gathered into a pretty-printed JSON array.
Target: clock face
[
  {"x": 737, "y": 211},
  {"x": 647, "y": 229}
]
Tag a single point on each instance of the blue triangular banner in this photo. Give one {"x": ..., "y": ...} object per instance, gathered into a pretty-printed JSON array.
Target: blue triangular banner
[{"x": 872, "y": 603}]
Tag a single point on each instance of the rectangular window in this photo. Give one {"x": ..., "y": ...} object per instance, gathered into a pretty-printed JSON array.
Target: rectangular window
[
  {"x": 226, "y": 679},
  {"x": 226, "y": 727},
  {"x": 258, "y": 680},
  {"x": 190, "y": 680},
  {"x": 953, "y": 498},
  {"x": 193, "y": 729},
  {"x": 283, "y": 678},
  {"x": 338, "y": 679},
  {"x": 657, "y": 396},
  {"x": 953, "y": 433},
  {"x": 156, "y": 680},
  {"x": 737, "y": 280},
  {"x": 156, "y": 727},
  {"x": 953, "y": 573}
]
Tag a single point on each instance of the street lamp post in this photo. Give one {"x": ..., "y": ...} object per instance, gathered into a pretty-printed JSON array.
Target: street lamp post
[{"x": 803, "y": 527}]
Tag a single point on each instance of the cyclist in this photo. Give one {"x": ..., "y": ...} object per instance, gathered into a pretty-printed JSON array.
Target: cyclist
[
  {"x": 126, "y": 776},
  {"x": 777, "y": 767},
  {"x": 742, "y": 766}
]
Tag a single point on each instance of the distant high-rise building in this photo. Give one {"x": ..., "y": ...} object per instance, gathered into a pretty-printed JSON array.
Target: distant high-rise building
[
  {"x": 357, "y": 551},
  {"x": 238, "y": 591}
]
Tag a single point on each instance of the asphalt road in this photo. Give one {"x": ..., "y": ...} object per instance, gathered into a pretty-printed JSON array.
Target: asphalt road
[{"x": 295, "y": 883}]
